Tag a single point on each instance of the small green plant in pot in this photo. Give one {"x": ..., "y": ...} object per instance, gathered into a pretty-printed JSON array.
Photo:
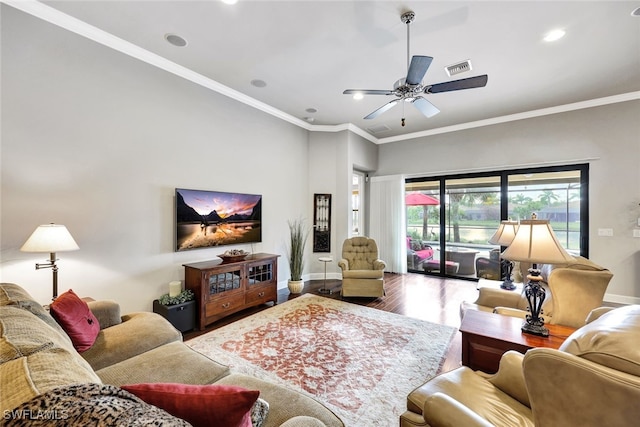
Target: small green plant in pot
[
  {"x": 182, "y": 297},
  {"x": 298, "y": 234}
]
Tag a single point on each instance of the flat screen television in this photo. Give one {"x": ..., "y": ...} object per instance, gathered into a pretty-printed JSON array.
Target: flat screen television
[{"x": 213, "y": 218}]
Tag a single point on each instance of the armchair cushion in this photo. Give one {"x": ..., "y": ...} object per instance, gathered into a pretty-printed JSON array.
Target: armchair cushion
[
  {"x": 363, "y": 274},
  {"x": 577, "y": 288},
  {"x": 447, "y": 412},
  {"x": 424, "y": 254},
  {"x": 474, "y": 392},
  {"x": 361, "y": 254},
  {"x": 611, "y": 340}
]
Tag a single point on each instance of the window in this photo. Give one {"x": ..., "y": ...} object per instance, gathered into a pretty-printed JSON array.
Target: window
[
  {"x": 357, "y": 197},
  {"x": 467, "y": 209}
]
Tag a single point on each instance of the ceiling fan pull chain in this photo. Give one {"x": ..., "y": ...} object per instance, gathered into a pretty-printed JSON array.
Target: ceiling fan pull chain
[{"x": 402, "y": 121}]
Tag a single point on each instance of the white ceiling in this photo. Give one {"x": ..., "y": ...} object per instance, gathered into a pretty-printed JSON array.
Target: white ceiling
[{"x": 308, "y": 52}]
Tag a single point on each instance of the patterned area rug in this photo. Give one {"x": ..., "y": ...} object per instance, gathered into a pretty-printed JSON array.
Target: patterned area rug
[{"x": 360, "y": 362}]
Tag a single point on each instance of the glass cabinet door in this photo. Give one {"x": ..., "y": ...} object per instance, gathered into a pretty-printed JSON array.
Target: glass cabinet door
[{"x": 224, "y": 281}]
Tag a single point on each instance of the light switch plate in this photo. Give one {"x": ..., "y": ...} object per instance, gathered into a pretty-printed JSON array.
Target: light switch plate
[
  {"x": 636, "y": 232},
  {"x": 608, "y": 232}
]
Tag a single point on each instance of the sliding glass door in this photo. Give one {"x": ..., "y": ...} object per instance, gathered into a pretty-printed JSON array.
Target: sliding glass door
[
  {"x": 451, "y": 218},
  {"x": 556, "y": 196},
  {"x": 472, "y": 214}
]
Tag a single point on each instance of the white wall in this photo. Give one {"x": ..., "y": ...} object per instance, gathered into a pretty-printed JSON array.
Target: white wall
[
  {"x": 332, "y": 159},
  {"x": 608, "y": 137},
  {"x": 99, "y": 141},
  {"x": 325, "y": 159}
]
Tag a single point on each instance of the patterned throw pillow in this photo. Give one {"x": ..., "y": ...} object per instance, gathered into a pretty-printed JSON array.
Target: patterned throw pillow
[{"x": 259, "y": 412}]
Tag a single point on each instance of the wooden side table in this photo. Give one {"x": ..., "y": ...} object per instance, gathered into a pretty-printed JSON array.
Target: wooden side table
[{"x": 487, "y": 336}]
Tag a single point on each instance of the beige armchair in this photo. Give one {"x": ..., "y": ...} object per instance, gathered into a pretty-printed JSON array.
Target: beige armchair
[
  {"x": 593, "y": 379},
  {"x": 572, "y": 291},
  {"x": 362, "y": 271}
]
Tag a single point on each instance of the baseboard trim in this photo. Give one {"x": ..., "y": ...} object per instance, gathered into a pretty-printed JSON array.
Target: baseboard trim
[{"x": 621, "y": 299}]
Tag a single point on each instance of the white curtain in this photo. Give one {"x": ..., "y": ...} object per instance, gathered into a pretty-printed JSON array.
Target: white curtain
[{"x": 387, "y": 221}]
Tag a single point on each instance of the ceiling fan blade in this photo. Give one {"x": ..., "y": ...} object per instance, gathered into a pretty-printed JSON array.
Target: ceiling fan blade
[
  {"x": 469, "y": 83},
  {"x": 425, "y": 107},
  {"x": 417, "y": 69},
  {"x": 367, "y": 92},
  {"x": 382, "y": 109}
]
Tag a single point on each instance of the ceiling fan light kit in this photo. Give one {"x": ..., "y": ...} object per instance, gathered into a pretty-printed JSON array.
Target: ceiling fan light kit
[{"x": 410, "y": 88}]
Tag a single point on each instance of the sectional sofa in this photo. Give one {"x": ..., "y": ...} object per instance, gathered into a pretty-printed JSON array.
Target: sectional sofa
[{"x": 44, "y": 379}]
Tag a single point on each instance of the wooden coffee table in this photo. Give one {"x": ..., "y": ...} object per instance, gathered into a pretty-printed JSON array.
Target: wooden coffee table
[{"x": 486, "y": 336}]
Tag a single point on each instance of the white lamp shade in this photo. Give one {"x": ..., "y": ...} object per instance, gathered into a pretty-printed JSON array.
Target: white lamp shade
[
  {"x": 50, "y": 238},
  {"x": 504, "y": 234},
  {"x": 536, "y": 242}
]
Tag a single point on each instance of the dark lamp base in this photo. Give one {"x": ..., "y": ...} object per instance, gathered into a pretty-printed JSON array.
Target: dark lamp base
[
  {"x": 508, "y": 285},
  {"x": 535, "y": 329}
]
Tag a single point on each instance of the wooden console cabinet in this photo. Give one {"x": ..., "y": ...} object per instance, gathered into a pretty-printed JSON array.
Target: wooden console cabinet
[{"x": 223, "y": 288}]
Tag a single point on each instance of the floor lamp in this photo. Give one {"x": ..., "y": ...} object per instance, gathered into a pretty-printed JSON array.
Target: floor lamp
[
  {"x": 50, "y": 238},
  {"x": 536, "y": 243},
  {"x": 503, "y": 237}
]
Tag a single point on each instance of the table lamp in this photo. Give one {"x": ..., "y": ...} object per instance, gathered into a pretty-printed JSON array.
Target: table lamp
[
  {"x": 50, "y": 238},
  {"x": 504, "y": 236},
  {"x": 535, "y": 242}
]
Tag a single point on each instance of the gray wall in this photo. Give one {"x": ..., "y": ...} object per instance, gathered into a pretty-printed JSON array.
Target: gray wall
[
  {"x": 98, "y": 141},
  {"x": 332, "y": 159},
  {"x": 607, "y": 137}
]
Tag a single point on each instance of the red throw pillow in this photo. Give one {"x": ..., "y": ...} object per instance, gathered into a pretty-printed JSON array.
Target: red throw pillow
[
  {"x": 201, "y": 405},
  {"x": 76, "y": 319}
]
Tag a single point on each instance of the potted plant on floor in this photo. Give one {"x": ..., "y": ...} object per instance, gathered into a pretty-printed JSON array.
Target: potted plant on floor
[{"x": 298, "y": 240}]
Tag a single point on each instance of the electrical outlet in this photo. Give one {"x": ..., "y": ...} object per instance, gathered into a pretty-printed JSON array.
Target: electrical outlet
[{"x": 607, "y": 232}]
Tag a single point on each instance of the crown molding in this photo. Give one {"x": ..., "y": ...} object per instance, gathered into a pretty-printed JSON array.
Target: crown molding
[
  {"x": 519, "y": 116},
  {"x": 56, "y": 17},
  {"x": 60, "y": 19}
]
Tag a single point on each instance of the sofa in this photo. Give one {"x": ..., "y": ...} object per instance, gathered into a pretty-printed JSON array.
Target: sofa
[
  {"x": 592, "y": 380},
  {"x": 572, "y": 291},
  {"x": 40, "y": 368}
]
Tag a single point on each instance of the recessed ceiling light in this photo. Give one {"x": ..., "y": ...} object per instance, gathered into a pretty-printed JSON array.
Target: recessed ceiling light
[
  {"x": 229, "y": 1},
  {"x": 358, "y": 96},
  {"x": 258, "y": 83},
  {"x": 554, "y": 35},
  {"x": 311, "y": 110},
  {"x": 635, "y": 12},
  {"x": 175, "y": 40}
]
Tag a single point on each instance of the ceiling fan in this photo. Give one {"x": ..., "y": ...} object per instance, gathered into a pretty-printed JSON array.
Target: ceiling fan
[{"x": 410, "y": 88}]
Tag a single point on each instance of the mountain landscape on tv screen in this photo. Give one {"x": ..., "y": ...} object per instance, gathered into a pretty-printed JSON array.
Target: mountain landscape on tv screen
[{"x": 205, "y": 229}]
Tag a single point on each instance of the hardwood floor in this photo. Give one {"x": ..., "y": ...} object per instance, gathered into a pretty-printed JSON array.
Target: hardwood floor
[{"x": 423, "y": 297}]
